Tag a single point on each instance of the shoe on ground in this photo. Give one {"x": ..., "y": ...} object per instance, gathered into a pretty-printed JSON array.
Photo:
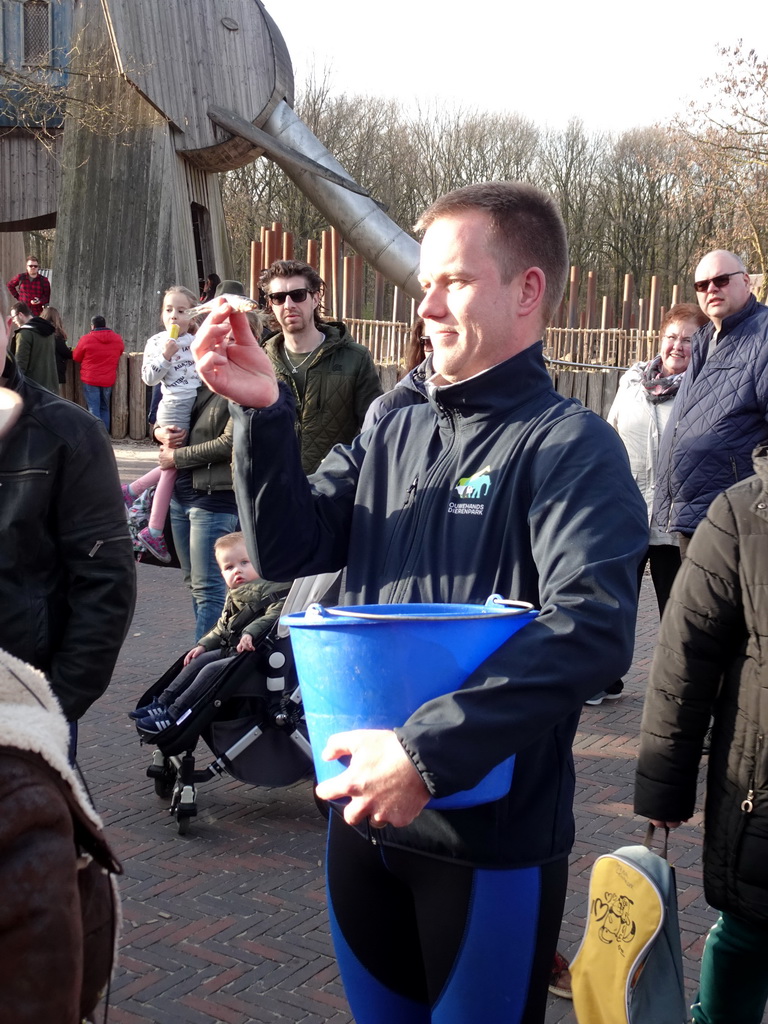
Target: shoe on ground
[
  {"x": 560, "y": 978},
  {"x": 151, "y": 710},
  {"x": 128, "y": 498},
  {"x": 155, "y": 545},
  {"x": 612, "y": 693},
  {"x": 152, "y": 725}
]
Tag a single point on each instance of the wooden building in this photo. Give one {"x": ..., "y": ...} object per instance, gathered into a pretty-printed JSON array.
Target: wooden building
[
  {"x": 35, "y": 40},
  {"x": 132, "y": 187},
  {"x": 140, "y": 207}
]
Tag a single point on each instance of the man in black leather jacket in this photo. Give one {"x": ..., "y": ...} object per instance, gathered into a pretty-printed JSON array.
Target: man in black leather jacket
[{"x": 67, "y": 574}]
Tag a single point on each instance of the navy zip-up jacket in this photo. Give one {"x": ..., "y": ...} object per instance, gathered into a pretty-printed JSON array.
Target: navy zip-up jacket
[
  {"x": 719, "y": 419},
  {"x": 496, "y": 485}
]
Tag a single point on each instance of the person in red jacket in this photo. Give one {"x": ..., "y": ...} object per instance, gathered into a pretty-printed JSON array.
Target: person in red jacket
[{"x": 99, "y": 352}]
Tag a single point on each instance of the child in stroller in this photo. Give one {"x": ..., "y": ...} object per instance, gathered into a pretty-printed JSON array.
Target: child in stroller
[
  {"x": 252, "y": 607},
  {"x": 242, "y": 698}
]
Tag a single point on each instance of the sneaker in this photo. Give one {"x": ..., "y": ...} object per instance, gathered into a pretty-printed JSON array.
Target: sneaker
[
  {"x": 604, "y": 695},
  {"x": 151, "y": 710},
  {"x": 154, "y": 724},
  {"x": 128, "y": 498},
  {"x": 155, "y": 545},
  {"x": 560, "y": 978}
]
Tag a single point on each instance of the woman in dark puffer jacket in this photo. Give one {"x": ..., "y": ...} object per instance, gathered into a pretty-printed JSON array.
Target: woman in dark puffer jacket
[{"x": 712, "y": 660}]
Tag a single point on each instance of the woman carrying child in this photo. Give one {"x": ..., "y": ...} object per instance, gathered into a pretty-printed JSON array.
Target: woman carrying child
[{"x": 168, "y": 362}]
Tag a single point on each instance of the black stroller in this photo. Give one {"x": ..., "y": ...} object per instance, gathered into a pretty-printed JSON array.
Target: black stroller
[{"x": 251, "y": 717}]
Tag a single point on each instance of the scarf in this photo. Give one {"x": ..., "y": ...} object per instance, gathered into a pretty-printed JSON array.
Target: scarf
[{"x": 657, "y": 387}]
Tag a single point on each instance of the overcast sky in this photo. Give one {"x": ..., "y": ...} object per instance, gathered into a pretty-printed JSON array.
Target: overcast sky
[{"x": 615, "y": 66}]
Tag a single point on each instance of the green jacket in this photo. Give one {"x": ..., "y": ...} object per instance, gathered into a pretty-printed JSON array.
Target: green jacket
[
  {"x": 250, "y": 608},
  {"x": 208, "y": 452},
  {"x": 35, "y": 350},
  {"x": 341, "y": 383}
]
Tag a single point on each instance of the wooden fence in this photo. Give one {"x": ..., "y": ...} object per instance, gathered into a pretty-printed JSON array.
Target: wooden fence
[
  {"x": 608, "y": 347},
  {"x": 591, "y": 380}
]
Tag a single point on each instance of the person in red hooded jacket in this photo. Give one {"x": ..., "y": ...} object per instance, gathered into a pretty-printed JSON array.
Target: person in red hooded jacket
[{"x": 98, "y": 353}]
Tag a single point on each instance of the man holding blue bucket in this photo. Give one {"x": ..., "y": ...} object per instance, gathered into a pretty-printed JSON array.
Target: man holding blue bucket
[{"x": 495, "y": 485}]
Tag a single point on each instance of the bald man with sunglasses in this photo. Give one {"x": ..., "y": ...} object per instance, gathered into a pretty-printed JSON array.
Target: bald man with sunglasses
[
  {"x": 333, "y": 380},
  {"x": 721, "y": 410}
]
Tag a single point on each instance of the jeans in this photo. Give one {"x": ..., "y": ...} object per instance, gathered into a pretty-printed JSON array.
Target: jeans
[
  {"x": 97, "y": 400},
  {"x": 195, "y": 531}
]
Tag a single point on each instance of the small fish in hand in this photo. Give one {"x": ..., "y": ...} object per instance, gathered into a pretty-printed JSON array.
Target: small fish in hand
[{"x": 238, "y": 303}]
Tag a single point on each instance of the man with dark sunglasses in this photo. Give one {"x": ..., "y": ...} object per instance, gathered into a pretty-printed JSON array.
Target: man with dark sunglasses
[
  {"x": 332, "y": 378},
  {"x": 33, "y": 288},
  {"x": 722, "y": 405}
]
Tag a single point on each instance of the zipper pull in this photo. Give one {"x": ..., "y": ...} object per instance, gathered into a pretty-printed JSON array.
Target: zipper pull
[
  {"x": 95, "y": 548},
  {"x": 747, "y": 805}
]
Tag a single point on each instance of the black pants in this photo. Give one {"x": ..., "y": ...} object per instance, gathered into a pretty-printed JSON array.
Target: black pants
[
  {"x": 665, "y": 561},
  {"x": 425, "y": 941}
]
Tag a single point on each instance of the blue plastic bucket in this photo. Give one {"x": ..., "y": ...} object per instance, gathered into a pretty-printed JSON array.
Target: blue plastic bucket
[{"x": 372, "y": 666}]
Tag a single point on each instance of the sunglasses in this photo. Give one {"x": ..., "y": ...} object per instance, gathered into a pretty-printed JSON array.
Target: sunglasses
[
  {"x": 33, "y": 265},
  {"x": 719, "y": 282},
  {"x": 295, "y": 295}
]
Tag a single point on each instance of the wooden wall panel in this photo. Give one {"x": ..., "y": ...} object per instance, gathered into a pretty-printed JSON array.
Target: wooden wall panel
[{"x": 29, "y": 177}]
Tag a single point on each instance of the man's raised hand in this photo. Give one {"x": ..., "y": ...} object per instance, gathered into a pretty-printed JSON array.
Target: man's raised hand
[{"x": 231, "y": 361}]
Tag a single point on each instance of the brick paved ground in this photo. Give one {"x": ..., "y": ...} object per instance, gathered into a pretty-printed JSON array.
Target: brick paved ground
[{"x": 227, "y": 925}]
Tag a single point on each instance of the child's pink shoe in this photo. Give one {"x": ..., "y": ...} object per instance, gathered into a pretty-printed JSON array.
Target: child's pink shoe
[
  {"x": 155, "y": 545},
  {"x": 128, "y": 498}
]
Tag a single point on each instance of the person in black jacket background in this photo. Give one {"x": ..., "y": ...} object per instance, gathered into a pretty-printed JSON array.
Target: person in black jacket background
[
  {"x": 711, "y": 661},
  {"x": 67, "y": 574}
]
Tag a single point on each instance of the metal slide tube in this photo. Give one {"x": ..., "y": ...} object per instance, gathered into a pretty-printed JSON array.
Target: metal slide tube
[{"x": 361, "y": 222}]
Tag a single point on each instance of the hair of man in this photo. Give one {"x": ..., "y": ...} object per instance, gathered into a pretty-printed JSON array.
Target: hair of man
[
  {"x": 33, "y": 259},
  {"x": 683, "y": 311},
  {"x": 20, "y": 307},
  {"x": 740, "y": 265},
  {"x": 98, "y": 322},
  {"x": 527, "y": 230},
  {"x": 295, "y": 268}
]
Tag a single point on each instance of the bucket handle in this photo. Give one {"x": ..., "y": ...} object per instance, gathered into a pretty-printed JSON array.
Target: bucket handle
[
  {"x": 496, "y": 601},
  {"x": 317, "y": 612}
]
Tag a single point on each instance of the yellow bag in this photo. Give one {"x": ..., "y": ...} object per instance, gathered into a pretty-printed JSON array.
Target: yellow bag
[{"x": 629, "y": 967}]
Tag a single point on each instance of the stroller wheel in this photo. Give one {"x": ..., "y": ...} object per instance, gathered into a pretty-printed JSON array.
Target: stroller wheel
[
  {"x": 183, "y": 823},
  {"x": 165, "y": 782}
]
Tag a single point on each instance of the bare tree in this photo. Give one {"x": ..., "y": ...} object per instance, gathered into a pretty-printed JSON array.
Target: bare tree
[{"x": 730, "y": 135}]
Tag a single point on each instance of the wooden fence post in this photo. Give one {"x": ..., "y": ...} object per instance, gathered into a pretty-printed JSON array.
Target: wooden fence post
[
  {"x": 573, "y": 299},
  {"x": 119, "y": 417},
  {"x": 256, "y": 268},
  {"x": 313, "y": 253},
  {"x": 626, "y": 306},
  {"x": 137, "y": 405}
]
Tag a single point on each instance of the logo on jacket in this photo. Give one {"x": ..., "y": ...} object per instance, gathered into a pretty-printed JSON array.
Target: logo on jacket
[{"x": 472, "y": 487}]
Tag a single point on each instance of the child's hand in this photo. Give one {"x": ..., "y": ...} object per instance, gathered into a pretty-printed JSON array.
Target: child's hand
[
  {"x": 194, "y": 653},
  {"x": 165, "y": 458},
  {"x": 171, "y": 348},
  {"x": 246, "y": 643}
]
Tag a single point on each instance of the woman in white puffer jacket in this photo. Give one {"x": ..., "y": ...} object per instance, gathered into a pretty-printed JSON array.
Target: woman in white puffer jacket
[{"x": 640, "y": 412}]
